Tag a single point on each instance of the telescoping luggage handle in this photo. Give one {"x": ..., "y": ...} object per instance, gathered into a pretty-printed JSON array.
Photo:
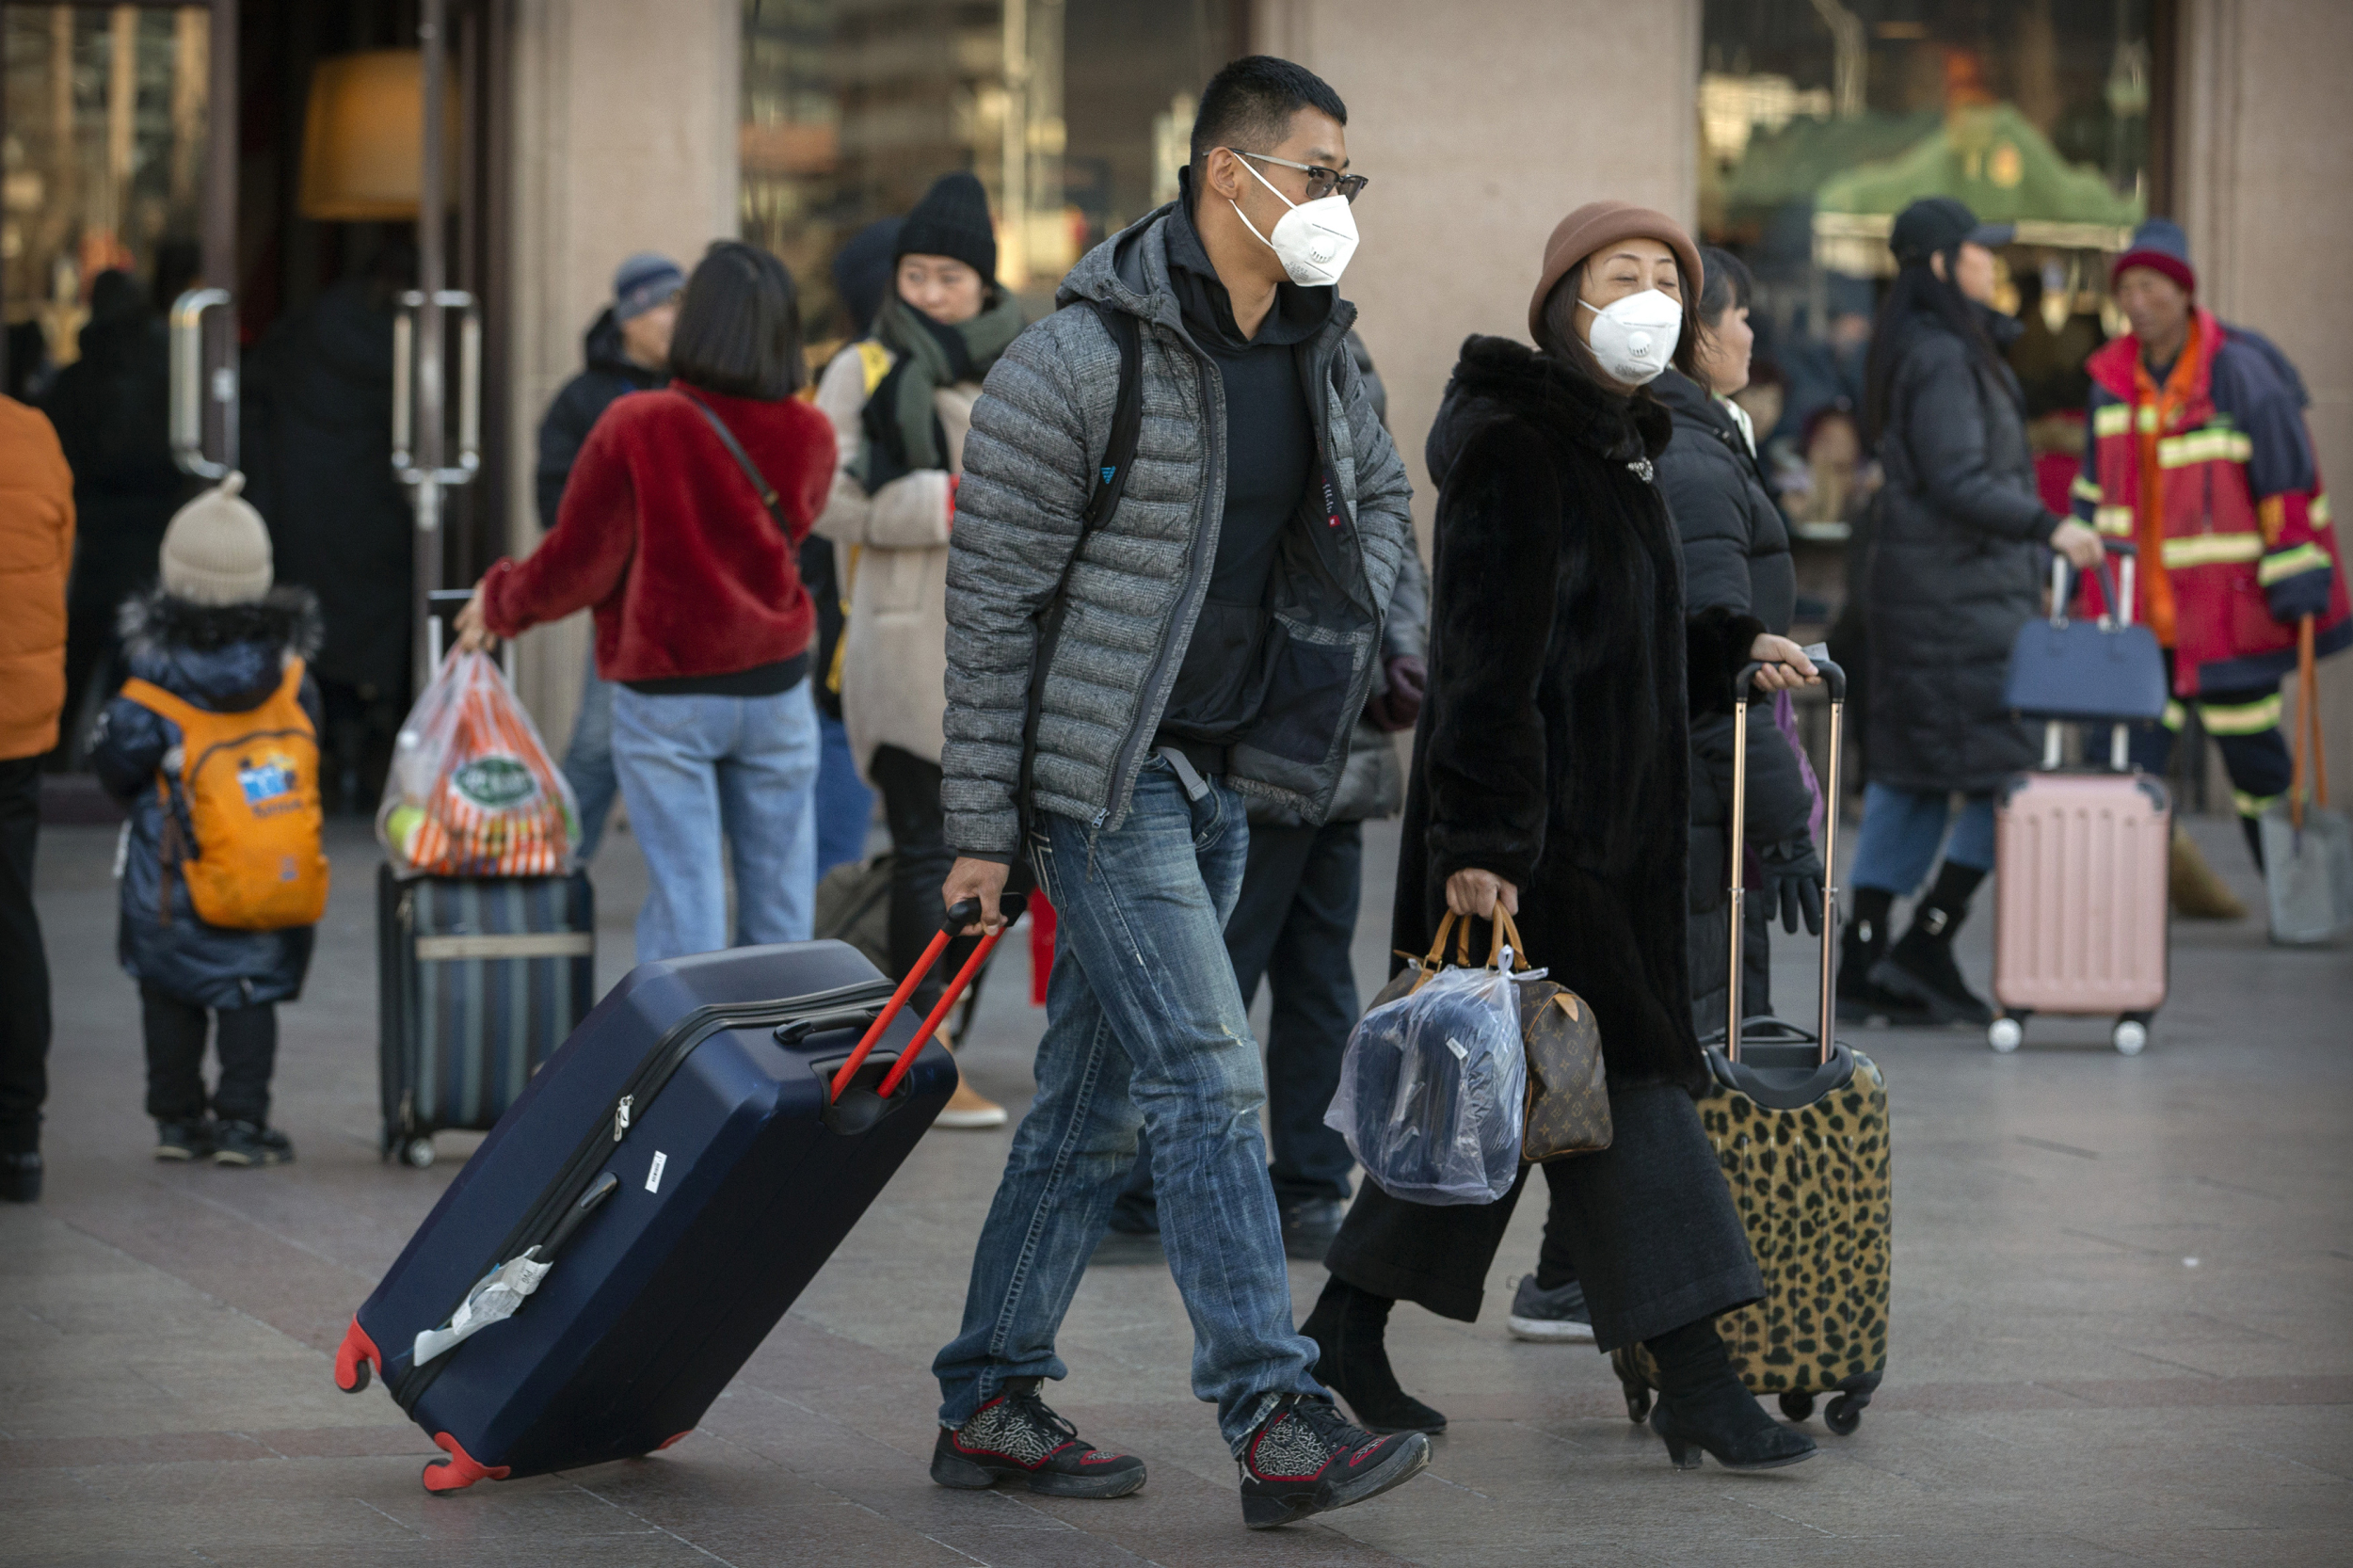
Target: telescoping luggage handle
[
  {"x": 1835, "y": 679},
  {"x": 956, "y": 919}
]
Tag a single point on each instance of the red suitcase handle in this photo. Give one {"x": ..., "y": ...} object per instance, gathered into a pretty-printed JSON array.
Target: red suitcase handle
[{"x": 955, "y": 920}]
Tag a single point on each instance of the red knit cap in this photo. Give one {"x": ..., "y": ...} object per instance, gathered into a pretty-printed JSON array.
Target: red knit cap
[
  {"x": 1599, "y": 223},
  {"x": 2160, "y": 246}
]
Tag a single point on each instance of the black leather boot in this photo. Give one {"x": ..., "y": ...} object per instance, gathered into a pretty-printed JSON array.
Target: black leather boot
[
  {"x": 1347, "y": 1326},
  {"x": 1921, "y": 970},
  {"x": 1703, "y": 1405},
  {"x": 1860, "y": 947}
]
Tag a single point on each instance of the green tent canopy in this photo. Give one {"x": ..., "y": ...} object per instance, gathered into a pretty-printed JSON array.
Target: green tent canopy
[
  {"x": 1792, "y": 163},
  {"x": 1995, "y": 159}
]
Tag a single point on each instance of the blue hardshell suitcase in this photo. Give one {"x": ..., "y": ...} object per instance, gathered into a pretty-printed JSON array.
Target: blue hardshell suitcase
[
  {"x": 478, "y": 980},
  {"x": 652, "y": 1203}
]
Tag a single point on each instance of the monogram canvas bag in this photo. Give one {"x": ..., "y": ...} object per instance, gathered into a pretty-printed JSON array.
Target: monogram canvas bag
[{"x": 1568, "y": 1100}]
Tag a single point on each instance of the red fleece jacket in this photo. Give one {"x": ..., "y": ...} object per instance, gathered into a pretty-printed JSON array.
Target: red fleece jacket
[{"x": 662, "y": 533}]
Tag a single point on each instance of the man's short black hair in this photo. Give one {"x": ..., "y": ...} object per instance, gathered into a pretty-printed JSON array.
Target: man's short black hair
[
  {"x": 1248, "y": 106},
  {"x": 739, "y": 325}
]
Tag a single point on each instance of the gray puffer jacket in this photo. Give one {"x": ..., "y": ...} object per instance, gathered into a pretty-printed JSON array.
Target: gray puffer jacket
[{"x": 1039, "y": 433}]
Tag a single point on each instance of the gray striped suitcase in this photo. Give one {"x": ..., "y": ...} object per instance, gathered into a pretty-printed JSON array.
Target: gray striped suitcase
[{"x": 478, "y": 981}]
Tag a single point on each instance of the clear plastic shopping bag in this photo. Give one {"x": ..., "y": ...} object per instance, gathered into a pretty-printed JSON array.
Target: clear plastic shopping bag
[
  {"x": 472, "y": 792},
  {"x": 1433, "y": 1086}
]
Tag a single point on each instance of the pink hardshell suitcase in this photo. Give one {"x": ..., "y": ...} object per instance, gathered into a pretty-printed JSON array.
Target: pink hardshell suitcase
[{"x": 2080, "y": 906}]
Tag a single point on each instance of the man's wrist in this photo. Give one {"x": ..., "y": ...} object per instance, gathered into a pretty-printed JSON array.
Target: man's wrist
[{"x": 994, "y": 857}]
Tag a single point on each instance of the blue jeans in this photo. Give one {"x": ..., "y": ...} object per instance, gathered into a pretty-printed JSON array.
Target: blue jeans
[
  {"x": 845, "y": 807},
  {"x": 588, "y": 760},
  {"x": 1902, "y": 828},
  {"x": 1292, "y": 925},
  {"x": 711, "y": 781},
  {"x": 1145, "y": 1027}
]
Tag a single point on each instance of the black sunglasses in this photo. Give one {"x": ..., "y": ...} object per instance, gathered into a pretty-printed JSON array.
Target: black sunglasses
[{"x": 1321, "y": 182}]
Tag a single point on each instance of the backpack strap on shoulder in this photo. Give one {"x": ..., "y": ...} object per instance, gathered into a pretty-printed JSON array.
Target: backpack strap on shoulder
[
  {"x": 1110, "y": 483},
  {"x": 152, "y": 698},
  {"x": 1119, "y": 453}
]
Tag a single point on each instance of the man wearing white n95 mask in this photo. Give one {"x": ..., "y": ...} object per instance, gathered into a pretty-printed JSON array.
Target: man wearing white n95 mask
[{"x": 1116, "y": 684}]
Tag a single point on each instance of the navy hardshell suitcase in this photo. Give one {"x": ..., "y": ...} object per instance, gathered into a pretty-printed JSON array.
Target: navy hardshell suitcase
[
  {"x": 651, "y": 1205},
  {"x": 478, "y": 980}
]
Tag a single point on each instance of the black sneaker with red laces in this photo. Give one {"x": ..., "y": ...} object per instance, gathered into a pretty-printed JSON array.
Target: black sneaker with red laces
[
  {"x": 1018, "y": 1436},
  {"x": 1306, "y": 1458}
]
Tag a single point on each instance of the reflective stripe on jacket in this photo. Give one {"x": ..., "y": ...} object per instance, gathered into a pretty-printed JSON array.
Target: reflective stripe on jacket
[{"x": 2241, "y": 508}]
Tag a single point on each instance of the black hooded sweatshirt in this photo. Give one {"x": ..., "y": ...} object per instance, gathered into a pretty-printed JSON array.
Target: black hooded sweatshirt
[{"x": 1269, "y": 470}]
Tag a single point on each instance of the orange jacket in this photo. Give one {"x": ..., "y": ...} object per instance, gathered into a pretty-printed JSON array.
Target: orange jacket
[{"x": 36, "y": 554}]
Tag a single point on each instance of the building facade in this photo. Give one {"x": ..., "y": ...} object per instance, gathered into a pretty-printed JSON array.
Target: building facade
[{"x": 1787, "y": 130}]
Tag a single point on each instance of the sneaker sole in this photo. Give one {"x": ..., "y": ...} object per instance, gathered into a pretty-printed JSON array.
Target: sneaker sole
[
  {"x": 965, "y": 1474},
  {"x": 971, "y": 1121},
  {"x": 247, "y": 1162},
  {"x": 1550, "y": 1331},
  {"x": 182, "y": 1155},
  {"x": 1267, "y": 1511}
]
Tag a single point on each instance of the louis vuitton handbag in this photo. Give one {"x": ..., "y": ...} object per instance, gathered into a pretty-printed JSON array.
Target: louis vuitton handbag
[{"x": 1568, "y": 1099}]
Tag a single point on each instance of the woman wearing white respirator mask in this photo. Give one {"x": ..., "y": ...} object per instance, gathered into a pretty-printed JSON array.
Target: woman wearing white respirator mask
[{"x": 1551, "y": 772}]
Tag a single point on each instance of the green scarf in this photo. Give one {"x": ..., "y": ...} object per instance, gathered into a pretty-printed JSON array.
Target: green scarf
[{"x": 901, "y": 421}]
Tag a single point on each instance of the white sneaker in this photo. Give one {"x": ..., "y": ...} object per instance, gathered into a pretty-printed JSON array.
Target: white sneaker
[
  {"x": 1551, "y": 1316},
  {"x": 969, "y": 1110}
]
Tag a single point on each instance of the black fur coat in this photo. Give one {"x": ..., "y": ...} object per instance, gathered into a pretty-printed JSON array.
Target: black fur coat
[{"x": 1553, "y": 748}]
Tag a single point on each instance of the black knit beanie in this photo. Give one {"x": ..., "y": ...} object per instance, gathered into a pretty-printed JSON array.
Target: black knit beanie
[{"x": 951, "y": 220}]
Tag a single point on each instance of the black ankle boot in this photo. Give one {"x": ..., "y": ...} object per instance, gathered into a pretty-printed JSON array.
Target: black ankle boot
[
  {"x": 20, "y": 1176},
  {"x": 1347, "y": 1326},
  {"x": 1703, "y": 1405},
  {"x": 1920, "y": 968},
  {"x": 1860, "y": 947}
]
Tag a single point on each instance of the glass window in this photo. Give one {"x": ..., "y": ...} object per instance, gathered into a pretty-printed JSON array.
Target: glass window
[
  {"x": 102, "y": 162},
  {"x": 1074, "y": 117},
  {"x": 1819, "y": 120}
]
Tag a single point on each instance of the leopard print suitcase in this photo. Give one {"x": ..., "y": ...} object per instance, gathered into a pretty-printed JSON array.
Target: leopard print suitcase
[
  {"x": 1798, "y": 1124},
  {"x": 1811, "y": 1182}
]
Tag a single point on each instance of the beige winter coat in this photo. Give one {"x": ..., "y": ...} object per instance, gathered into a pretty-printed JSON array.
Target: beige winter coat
[{"x": 892, "y": 548}]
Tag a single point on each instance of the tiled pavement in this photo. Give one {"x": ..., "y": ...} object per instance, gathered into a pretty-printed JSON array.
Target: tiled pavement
[{"x": 2121, "y": 1290}]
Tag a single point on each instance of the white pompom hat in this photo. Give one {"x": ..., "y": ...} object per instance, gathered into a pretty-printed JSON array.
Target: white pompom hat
[{"x": 216, "y": 550}]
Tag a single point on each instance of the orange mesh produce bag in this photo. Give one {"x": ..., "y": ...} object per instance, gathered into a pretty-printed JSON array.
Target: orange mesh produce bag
[{"x": 472, "y": 792}]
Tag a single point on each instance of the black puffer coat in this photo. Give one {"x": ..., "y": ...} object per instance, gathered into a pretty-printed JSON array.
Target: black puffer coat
[
  {"x": 1736, "y": 556},
  {"x": 610, "y": 374},
  {"x": 225, "y": 659},
  {"x": 319, "y": 467},
  {"x": 1958, "y": 555},
  {"x": 1554, "y": 746}
]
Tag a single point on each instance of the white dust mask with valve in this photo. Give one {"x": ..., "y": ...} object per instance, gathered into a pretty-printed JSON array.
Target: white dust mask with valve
[
  {"x": 1313, "y": 241},
  {"x": 1635, "y": 338}
]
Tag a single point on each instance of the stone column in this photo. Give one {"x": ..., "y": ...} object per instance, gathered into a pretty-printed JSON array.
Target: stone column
[
  {"x": 625, "y": 140},
  {"x": 1481, "y": 127},
  {"x": 2262, "y": 142}
]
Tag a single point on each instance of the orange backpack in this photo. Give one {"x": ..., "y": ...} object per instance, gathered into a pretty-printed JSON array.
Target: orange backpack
[{"x": 249, "y": 783}]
